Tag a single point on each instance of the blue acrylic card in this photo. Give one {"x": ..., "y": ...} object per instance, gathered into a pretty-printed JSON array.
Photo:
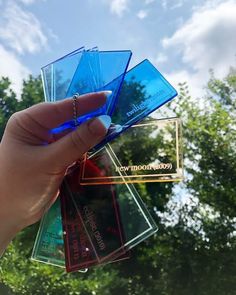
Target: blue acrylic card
[
  {"x": 58, "y": 75},
  {"x": 135, "y": 93},
  {"x": 144, "y": 90},
  {"x": 84, "y": 71}
]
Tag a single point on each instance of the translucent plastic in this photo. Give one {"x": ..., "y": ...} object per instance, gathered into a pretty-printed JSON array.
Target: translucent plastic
[
  {"x": 49, "y": 244},
  {"x": 58, "y": 75},
  {"x": 83, "y": 72},
  {"x": 113, "y": 217},
  {"x": 100, "y": 224},
  {"x": 143, "y": 91},
  {"x": 150, "y": 151}
]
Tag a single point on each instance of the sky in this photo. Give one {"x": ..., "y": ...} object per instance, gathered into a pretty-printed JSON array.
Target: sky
[{"x": 182, "y": 38}]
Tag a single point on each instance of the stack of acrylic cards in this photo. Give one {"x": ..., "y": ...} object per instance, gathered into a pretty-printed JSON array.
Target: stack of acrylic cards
[{"x": 99, "y": 215}]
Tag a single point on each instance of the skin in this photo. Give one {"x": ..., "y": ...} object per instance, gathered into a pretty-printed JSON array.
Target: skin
[{"x": 33, "y": 161}]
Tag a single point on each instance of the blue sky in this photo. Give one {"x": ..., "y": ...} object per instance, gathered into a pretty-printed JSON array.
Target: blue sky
[{"x": 182, "y": 38}]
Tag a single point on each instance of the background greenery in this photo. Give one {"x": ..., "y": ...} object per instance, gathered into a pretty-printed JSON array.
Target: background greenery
[{"x": 194, "y": 251}]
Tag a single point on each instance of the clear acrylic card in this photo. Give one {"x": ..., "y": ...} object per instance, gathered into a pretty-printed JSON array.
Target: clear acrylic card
[
  {"x": 49, "y": 244},
  {"x": 150, "y": 151},
  {"x": 113, "y": 216}
]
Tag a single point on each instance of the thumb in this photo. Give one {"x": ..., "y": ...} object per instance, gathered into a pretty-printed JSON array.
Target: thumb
[{"x": 71, "y": 147}]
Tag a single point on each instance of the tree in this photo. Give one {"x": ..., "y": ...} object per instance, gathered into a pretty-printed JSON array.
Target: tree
[
  {"x": 8, "y": 103},
  {"x": 194, "y": 249}
]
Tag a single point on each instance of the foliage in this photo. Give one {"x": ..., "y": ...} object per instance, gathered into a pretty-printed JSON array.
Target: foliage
[{"x": 194, "y": 249}]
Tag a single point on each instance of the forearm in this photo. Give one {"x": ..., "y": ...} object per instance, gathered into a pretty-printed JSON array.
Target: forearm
[
  {"x": 5, "y": 239},
  {"x": 7, "y": 233},
  {"x": 9, "y": 226}
]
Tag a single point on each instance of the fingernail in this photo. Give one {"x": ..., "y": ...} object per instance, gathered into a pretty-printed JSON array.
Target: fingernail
[
  {"x": 107, "y": 92},
  {"x": 105, "y": 120}
]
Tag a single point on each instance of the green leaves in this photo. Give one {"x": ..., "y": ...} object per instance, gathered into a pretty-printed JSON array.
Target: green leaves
[
  {"x": 8, "y": 103},
  {"x": 193, "y": 251}
]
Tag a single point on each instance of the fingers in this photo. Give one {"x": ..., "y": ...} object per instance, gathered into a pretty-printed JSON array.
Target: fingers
[
  {"x": 51, "y": 115},
  {"x": 71, "y": 147}
]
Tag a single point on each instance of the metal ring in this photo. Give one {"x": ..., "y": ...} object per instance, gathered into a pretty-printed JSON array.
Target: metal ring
[{"x": 75, "y": 115}]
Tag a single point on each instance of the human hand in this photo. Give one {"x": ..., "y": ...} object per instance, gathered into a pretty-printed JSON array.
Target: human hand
[{"x": 33, "y": 161}]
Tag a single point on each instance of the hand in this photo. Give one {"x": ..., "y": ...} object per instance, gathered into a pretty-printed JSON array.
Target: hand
[{"x": 33, "y": 161}]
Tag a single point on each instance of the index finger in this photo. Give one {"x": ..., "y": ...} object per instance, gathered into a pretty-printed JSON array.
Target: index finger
[{"x": 51, "y": 115}]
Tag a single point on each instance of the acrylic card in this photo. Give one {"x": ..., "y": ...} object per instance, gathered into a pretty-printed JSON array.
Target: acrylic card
[
  {"x": 58, "y": 75},
  {"x": 150, "y": 151},
  {"x": 143, "y": 91},
  {"x": 85, "y": 71},
  {"x": 113, "y": 216},
  {"x": 49, "y": 244},
  {"x": 79, "y": 248}
]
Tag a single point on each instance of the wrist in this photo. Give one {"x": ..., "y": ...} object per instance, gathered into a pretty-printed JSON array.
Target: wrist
[
  {"x": 6, "y": 236},
  {"x": 9, "y": 226}
]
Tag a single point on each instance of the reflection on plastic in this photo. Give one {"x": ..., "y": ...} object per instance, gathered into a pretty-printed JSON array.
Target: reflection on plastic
[
  {"x": 113, "y": 217},
  {"x": 49, "y": 245},
  {"x": 85, "y": 71},
  {"x": 148, "y": 152},
  {"x": 143, "y": 91},
  {"x": 88, "y": 237}
]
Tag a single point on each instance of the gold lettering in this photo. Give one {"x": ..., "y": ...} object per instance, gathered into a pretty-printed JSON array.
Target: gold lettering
[{"x": 159, "y": 166}]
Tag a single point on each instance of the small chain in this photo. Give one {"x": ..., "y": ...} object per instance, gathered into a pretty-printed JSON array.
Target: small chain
[{"x": 75, "y": 96}]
